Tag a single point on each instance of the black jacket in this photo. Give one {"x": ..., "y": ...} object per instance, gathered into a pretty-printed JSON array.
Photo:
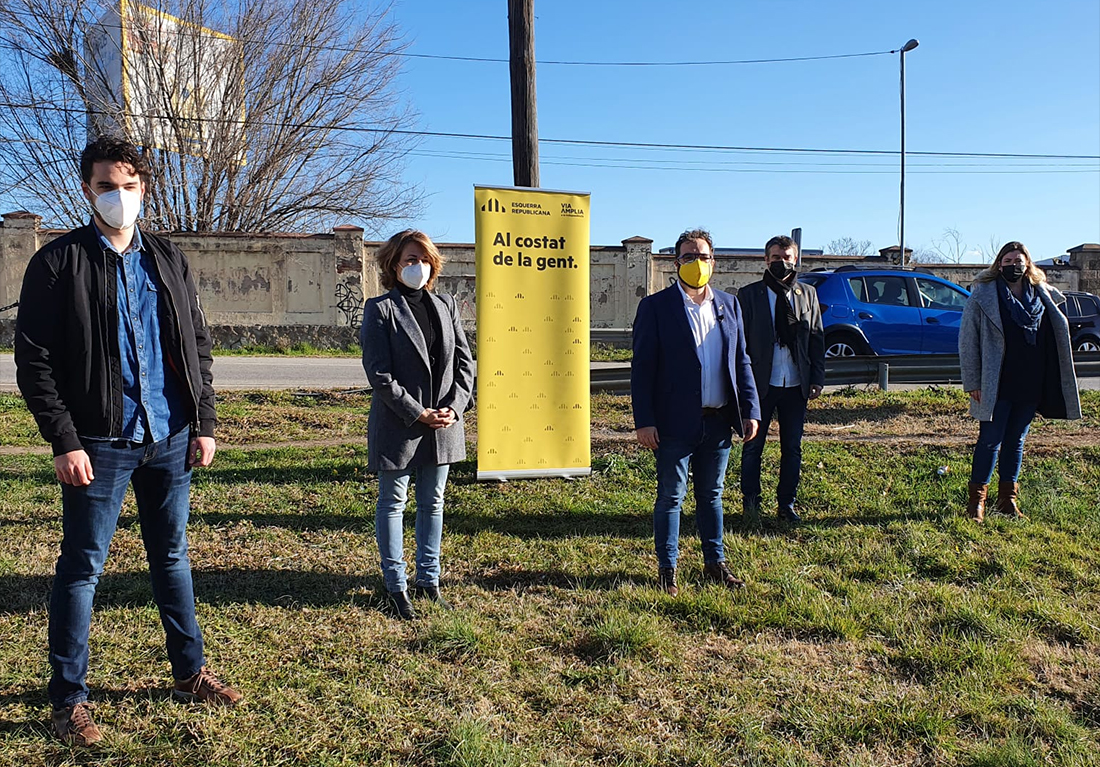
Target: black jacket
[
  {"x": 809, "y": 348},
  {"x": 66, "y": 338}
]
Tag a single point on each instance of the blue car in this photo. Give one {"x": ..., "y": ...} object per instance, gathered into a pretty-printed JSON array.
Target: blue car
[{"x": 887, "y": 311}]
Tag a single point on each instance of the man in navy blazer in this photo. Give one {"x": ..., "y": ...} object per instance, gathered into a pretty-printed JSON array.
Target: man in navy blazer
[{"x": 691, "y": 387}]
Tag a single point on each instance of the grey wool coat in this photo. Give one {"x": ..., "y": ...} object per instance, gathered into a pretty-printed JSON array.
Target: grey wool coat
[
  {"x": 395, "y": 358},
  {"x": 982, "y": 353}
]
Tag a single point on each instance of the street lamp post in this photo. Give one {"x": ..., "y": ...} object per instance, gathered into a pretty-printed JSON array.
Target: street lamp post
[{"x": 901, "y": 219}]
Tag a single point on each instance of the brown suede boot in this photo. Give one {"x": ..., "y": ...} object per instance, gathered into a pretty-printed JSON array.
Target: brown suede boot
[
  {"x": 1006, "y": 499},
  {"x": 975, "y": 507}
]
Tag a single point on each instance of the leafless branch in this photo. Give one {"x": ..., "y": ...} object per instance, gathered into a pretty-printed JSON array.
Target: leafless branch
[{"x": 285, "y": 118}]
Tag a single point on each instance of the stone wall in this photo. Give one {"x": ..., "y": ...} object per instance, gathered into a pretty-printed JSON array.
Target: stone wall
[{"x": 285, "y": 289}]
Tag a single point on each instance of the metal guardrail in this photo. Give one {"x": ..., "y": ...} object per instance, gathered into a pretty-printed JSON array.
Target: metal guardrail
[
  {"x": 853, "y": 371},
  {"x": 620, "y": 338},
  {"x": 921, "y": 368}
]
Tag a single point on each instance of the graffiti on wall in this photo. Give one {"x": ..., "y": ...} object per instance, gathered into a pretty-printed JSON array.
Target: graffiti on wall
[{"x": 349, "y": 304}]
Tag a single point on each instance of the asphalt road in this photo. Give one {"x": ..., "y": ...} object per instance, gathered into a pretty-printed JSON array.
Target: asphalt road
[
  {"x": 259, "y": 373},
  {"x": 315, "y": 373}
]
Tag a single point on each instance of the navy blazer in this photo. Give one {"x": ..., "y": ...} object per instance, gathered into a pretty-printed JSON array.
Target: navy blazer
[{"x": 666, "y": 376}]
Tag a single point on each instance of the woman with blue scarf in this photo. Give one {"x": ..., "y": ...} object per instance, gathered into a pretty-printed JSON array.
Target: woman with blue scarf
[{"x": 1016, "y": 360}]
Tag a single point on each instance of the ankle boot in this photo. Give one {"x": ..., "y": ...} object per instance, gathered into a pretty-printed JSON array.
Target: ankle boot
[
  {"x": 975, "y": 506},
  {"x": 1006, "y": 499}
]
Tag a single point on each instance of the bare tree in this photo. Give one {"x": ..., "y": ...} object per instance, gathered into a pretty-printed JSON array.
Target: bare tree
[
  {"x": 849, "y": 246},
  {"x": 285, "y": 118},
  {"x": 949, "y": 248}
]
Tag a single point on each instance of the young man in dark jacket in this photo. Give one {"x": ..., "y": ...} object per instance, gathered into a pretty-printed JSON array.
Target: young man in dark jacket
[{"x": 113, "y": 359}]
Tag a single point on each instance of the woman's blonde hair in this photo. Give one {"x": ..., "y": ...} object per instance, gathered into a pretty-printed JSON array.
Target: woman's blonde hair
[
  {"x": 390, "y": 253},
  {"x": 1032, "y": 273}
]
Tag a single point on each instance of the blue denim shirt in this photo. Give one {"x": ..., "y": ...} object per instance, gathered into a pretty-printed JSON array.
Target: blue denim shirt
[{"x": 152, "y": 401}]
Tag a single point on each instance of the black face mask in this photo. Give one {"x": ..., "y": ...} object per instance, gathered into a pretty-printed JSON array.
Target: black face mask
[
  {"x": 1013, "y": 272},
  {"x": 780, "y": 270}
]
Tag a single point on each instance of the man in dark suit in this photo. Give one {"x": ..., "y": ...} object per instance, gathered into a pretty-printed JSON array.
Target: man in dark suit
[
  {"x": 787, "y": 346},
  {"x": 691, "y": 387}
]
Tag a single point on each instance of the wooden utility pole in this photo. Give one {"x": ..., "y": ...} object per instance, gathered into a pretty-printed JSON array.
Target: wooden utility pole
[{"x": 521, "y": 66}]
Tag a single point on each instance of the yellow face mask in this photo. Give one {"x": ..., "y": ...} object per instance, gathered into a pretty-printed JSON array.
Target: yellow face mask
[{"x": 696, "y": 274}]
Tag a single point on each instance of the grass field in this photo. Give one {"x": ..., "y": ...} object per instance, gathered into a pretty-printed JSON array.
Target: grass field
[{"x": 887, "y": 630}]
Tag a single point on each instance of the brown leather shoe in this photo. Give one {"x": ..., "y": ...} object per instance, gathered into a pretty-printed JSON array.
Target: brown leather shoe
[
  {"x": 719, "y": 573},
  {"x": 1006, "y": 499},
  {"x": 204, "y": 687},
  {"x": 666, "y": 579},
  {"x": 74, "y": 725},
  {"x": 975, "y": 506}
]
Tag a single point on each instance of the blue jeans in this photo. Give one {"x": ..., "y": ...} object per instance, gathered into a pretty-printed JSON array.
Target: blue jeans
[
  {"x": 162, "y": 488},
  {"x": 1005, "y": 435},
  {"x": 393, "y": 491},
  {"x": 790, "y": 406},
  {"x": 707, "y": 459}
]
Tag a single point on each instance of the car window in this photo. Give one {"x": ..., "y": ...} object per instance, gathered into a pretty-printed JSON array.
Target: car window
[
  {"x": 887, "y": 289},
  {"x": 1072, "y": 310},
  {"x": 1088, "y": 304},
  {"x": 812, "y": 279},
  {"x": 936, "y": 295},
  {"x": 856, "y": 284}
]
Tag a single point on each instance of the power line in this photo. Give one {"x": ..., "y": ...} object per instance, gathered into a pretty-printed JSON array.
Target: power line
[
  {"x": 490, "y": 60},
  {"x": 728, "y": 62},
  {"x": 837, "y": 170},
  {"x": 569, "y": 142}
]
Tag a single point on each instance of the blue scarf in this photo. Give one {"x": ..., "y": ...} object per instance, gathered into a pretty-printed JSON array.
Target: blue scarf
[{"x": 1027, "y": 313}]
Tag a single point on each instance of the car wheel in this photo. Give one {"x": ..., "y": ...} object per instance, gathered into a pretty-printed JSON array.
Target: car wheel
[
  {"x": 1087, "y": 345},
  {"x": 845, "y": 345}
]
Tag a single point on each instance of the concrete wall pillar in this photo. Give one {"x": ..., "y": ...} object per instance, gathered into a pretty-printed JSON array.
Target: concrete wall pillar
[
  {"x": 1086, "y": 259},
  {"x": 639, "y": 278},
  {"x": 18, "y": 242},
  {"x": 350, "y": 274}
]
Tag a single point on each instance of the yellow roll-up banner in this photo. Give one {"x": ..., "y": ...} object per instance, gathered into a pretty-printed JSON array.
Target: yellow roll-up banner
[{"x": 533, "y": 408}]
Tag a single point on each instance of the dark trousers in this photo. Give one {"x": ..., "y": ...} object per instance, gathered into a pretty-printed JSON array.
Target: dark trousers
[{"x": 790, "y": 407}]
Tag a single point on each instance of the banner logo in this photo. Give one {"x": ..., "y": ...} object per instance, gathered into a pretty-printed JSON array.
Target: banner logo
[{"x": 493, "y": 206}]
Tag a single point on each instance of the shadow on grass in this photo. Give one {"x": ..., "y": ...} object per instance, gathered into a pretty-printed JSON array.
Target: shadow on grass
[
  {"x": 556, "y": 524},
  {"x": 281, "y": 588},
  {"x": 37, "y": 700},
  {"x": 525, "y": 580},
  {"x": 285, "y": 588},
  {"x": 837, "y": 413},
  {"x": 318, "y": 471},
  {"x": 524, "y": 525},
  {"x": 771, "y": 527}
]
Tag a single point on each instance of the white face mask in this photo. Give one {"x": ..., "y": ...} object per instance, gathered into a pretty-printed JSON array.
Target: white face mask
[
  {"x": 118, "y": 208},
  {"x": 415, "y": 275}
]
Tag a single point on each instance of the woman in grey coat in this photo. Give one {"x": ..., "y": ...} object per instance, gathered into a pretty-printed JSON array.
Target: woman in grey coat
[
  {"x": 1016, "y": 360},
  {"x": 420, "y": 370}
]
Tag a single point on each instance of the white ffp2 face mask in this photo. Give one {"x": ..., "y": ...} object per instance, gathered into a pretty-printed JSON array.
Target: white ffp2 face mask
[
  {"x": 118, "y": 208},
  {"x": 415, "y": 275}
]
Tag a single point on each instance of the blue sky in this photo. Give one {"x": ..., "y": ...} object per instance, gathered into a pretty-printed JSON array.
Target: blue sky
[{"x": 993, "y": 77}]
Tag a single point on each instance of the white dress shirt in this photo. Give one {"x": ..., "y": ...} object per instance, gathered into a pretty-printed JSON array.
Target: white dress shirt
[
  {"x": 708, "y": 346},
  {"x": 784, "y": 368}
]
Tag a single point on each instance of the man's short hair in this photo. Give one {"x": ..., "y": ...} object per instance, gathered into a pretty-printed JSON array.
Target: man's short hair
[
  {"x": 694, "y": 234},
  {"x": 782, "y": 242},
  {"x": 110, "y": 149}
]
